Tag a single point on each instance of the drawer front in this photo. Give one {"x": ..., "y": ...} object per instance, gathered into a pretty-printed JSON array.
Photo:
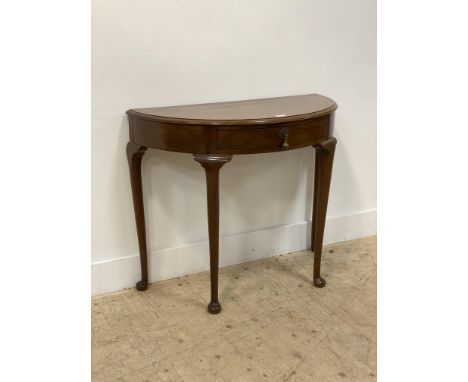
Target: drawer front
[{"x": 275, "y": 138}]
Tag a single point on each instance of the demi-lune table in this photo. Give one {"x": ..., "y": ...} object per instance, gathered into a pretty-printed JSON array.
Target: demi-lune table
[{"x": 213, "y": 133}]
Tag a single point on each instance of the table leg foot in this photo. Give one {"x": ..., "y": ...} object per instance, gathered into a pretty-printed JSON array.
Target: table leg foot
[
  {"x": 141, "y": 285},
  {"x": 214, "y": 307},
  {"x": 319, "y": 282}
]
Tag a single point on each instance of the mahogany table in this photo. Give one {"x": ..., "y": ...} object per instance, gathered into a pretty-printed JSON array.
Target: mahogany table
[{"x": 213, "y": 133}]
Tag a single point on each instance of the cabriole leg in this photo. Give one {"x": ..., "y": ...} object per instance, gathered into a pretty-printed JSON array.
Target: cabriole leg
[
  {"x": 134, "y": 156},
  {"x": 324, "y": 153}
]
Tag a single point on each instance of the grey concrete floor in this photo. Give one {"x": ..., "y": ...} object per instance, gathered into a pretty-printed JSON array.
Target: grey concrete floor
[{"x": 274, "y": 326}]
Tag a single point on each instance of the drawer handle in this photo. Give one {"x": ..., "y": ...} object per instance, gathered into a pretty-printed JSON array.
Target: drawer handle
[{"x": 284, "y": 137}]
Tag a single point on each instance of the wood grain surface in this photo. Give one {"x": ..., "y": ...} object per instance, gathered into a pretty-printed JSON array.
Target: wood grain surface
[
  {"x": 214, "y": 132},
  {"x": 254, "y": 111}
]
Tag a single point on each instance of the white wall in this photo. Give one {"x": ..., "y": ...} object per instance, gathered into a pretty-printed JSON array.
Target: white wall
[{"x": 167, "y": 52}]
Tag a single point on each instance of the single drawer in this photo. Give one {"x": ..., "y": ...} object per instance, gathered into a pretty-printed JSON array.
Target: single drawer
[{"x": 276, "y": 137}]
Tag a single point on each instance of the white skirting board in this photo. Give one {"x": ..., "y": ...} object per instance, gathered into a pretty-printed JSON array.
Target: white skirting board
[{"x": 124, "y": 272}]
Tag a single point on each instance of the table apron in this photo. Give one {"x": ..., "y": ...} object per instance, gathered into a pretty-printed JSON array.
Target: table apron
[{"x": 242, "y": 139}]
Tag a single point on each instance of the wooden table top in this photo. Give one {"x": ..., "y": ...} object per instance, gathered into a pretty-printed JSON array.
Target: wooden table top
[{"x": 256, "y": 111}]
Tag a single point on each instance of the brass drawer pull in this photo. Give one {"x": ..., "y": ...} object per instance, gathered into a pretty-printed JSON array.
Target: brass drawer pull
[{"x": 284, "y": 137}]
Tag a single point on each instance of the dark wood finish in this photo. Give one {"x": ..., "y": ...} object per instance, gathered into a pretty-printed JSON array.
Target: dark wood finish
[
  {"x": 212, "y": 164},
  {"x": 247, "y": 112},
  {"x": 213, "y": 133},
  {"x": 169, "y": 136},
  {"x": 273, "y": 137},
  {"x": 134, "y": 156},
  {"x": 324, "y": 153},
  {"x": 314, "y": 204}
]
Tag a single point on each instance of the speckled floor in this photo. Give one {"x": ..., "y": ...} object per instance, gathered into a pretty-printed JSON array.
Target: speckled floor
[{"x": 274, "y": 326}]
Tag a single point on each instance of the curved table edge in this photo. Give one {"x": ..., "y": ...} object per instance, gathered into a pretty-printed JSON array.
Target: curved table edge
[{"x": 236, "y": 122}]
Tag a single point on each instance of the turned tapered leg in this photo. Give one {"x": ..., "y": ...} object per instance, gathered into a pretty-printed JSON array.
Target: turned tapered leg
[
  {"x": 212, "y": 164},
  {"x": 324, "y": 153},
  {"x": 134, "y": 156}
]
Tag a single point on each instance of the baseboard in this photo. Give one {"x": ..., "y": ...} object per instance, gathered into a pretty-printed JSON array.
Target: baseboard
[{"x": 121, "y": 273}]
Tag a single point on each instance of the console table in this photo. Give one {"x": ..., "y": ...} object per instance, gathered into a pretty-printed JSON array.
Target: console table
[{"x": 213, "y": 133}]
